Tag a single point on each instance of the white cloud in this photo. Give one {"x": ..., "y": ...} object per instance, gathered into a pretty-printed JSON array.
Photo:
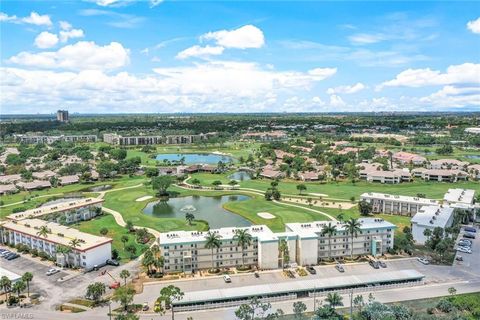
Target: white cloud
[
  {"x": 33, "y": 18},
  {"x": 466, "y": 73},
  {"x": 454, "y": 97},
  {"x": 79, "y": 56},
  {"x": 474, "y": 25},
  {"x": 347, "y": 89},
  {"x": 154, "y": 3},
  {"x": 337, "y": 101},
  {"x": 322, "y": 73},
  {"x": 64, "y": 25},
  {"x": 106, "y": 3},
  {"x": 37, "y": 19},
  {"x": 365, "y": 38},
  {"x": 46, "y": 40},
  {"x": 65, "y": 35},
  {"x": 244, "y": 37},
  {"x": 199, "y": 52}
]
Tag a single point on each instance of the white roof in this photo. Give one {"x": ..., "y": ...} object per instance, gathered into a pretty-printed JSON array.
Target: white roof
[
  {"x": 261, "y": 232},
  {"x": 297, "y": 286},
  {"x": 385, "y": 196},
  {"x": 433, "y": 216},
  {"x": 58, "y": 234},
  {"x": 63, "y": 206},
  {"x": 311, "y": 229},
  {"x": 10, "y": 275},
  {"x": 460, "y": 195}
]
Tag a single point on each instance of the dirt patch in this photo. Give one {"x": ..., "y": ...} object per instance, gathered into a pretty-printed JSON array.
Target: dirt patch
[
  {"x": 266, "y": 215},
  {"x": 144, "y": 198}
]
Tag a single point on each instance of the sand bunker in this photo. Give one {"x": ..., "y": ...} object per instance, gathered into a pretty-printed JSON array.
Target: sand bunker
[
  {"x": 266, "y": 215},
  {"x": 144, "y": 198},
  {"x": 319, "y": 194}
]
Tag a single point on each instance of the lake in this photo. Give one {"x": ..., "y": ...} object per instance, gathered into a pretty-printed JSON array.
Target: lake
[
  {"x": 195, "y": 158},
  {"x": 472, "y": 156},
  {"x": 203, "y": 208},
  {"x": 240, "y": 176}
]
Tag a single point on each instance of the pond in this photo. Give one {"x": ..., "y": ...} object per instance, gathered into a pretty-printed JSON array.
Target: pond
[
  {"x": 472, "y": 156},
  {"x": 240, "y": 176},
  {"x": 203, "y": 208},
  {"x": 195, "y": 158},
  {"x": 100, "y": 188}
]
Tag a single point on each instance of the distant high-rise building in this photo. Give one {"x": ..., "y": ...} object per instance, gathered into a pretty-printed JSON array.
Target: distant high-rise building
[{"x": 62, "y": 115}]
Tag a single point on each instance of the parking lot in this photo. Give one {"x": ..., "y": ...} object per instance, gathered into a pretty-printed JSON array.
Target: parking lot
[{"x": 470, "y": 260}]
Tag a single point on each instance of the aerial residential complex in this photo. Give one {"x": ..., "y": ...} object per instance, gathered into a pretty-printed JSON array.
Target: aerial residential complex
[
  {"x": 33, "y": 139},
  {"x": 430, "y": 217},
  {"x": 116, "y": 139},
  {"x": 185, "y": 250},
  {"x": 395, "y": 204}
]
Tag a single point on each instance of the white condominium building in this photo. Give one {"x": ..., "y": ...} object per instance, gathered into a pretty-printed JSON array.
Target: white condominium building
[
  {"x": 395, "y": 204},
  {"x": 64, "y": 212},
  {"x": 89, "y": 250},
  {"x": 33, "y": 139},
  {"x": 430, "y": 217},
  {"x": 185, "y": 251}
]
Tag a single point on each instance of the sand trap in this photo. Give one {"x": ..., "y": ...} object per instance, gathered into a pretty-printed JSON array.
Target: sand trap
[
  {"x": 144, "y": 198},
  {"x": 266, "y": 215},
  {"x": 319, "y": 194}
]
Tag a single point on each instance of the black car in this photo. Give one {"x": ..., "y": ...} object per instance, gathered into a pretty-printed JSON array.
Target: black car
[
  {"x": 311, "y": 270},
  {"x": 374, "y": 264},
  {"x": 469, "y": 235},
  {"x": 12, "y": 256},
  {"x": 470, "y": 229},
  {"x": 113, "y": 262}
]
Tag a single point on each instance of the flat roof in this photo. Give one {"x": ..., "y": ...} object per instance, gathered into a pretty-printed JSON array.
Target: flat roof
[
  {"x": 9, "y": 274},
  {"x": 328, "y": 283},
  {"x": 63, "y": 206},
  {"x": 58, "y": 234},
  {"x": 385, "y": 196},
  {"x": 458, "y": 195},
  {"x": 433, "y": 216}
]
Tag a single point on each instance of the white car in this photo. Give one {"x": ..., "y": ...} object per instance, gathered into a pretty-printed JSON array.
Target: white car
[
  {"x": 52, "y": 271},
  {"x": 423, "y": 260},
  {"x": 227, "y": 278},
  {"x": 464, "y": 250}
]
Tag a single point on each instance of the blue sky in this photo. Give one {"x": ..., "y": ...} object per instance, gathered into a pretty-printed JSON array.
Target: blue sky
[{"x": 177, "y": 56}]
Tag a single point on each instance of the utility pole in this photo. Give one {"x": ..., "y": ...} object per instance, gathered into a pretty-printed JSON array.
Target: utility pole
[
  {"x": 110, "y": 309},
  {"x": 351, "y": 304},
  {"x": 314, "y": 298}
]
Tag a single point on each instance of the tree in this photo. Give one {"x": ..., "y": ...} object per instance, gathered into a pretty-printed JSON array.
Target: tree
[
  {"x": 243, "y": 239},
  {"x": 130, "y": 248},
  {"x": 74, "y": 243},
  {"x": 255, "y": 310},
  {"x": 169, "y": 294},
  {"x": 358, "y": 302},
  {"x": 329, "y": 230},
  {"x": 452, "y": 291},
  {"x": 427, "y": 233},
  {"x": 284, "y": 253},
  {"x": 148, "y": 260},
  {"x": 129, "y": 226},
  {"x": 124, "y": 295},
  {"x": 352, "y": 227},
  {"x": 232, "y": 183},
  {"x": 63, "y": 250},
  {"x": 301, "y": 187},
  {"x": 216, "y": 183},
  {"x": 299, "y": 309},
  {"x": 6, "y": 285},
  {"x": 95, "y": 291},
  {"x": 161, "y": 184},
  {"x": 334, "y": 299},
  {"x": 124, "y": 274},
  {"x": 27, "y": 278},
  {"x": 151, "y": 172},
  {"x": 43, "y": 231},
  {"x": 124, "y": 240},
  {"x": 327, "y": 313},
  {"x": 212, "y": 241},
  {"x": 189, "y": 217},
  {"x": 365, "y": 208},
  {"x": 18, "y": 287},
  {"x": 195, "y": 182},
  {"x": 103, "y": 231}
]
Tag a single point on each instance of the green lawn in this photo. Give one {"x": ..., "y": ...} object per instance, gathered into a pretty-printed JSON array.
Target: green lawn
[{"x": 114, "y": 231}]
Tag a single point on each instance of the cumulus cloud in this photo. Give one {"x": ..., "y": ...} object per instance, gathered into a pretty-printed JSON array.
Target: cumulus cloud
[
  {"x": 34, "y": 18},
  {"x": 65, "y": 35},
  {"x": 337, "y": 101},
  {"x": 200, "y": 52},
  {"x": 474, "y": 25},
  {"x": 454, "y": 97},
  {"x": 347, "y": 89},
  {"x": 46, "y": 40},
  {"x": 79, "y": 56},
  {"x": 466, "y": 73},
  {"x": 365, "y": 38},
  {"x": 244, "y": 37}
]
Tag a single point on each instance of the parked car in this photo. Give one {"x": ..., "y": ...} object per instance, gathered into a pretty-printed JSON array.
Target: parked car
[
  {"x": 470, "y": 229},
  {"x": 382, "y": 264},
  {"x": 311, "y": 270},
  {"x": 459, "y": 258},
  {"x": 257, "y": 275},
  {"x": 423, "y": 260},
  {"x": 13, "y": 256},
  {"x": 290, "y": 274},
  {"x": 469, "y": 235},
  {"x": 145, "y": 306},
  {"x": 339, "y": 267},
  {"x": 464, "y": 250},
  {"x": 465, "y": 241},
  {"x": 113, "y": 262},
  {"x": 5, "y": 253},
  {"x": 227, "y": 278},
  {"x": 374, "y": 264},
  {"x": 52, "y": 271}
]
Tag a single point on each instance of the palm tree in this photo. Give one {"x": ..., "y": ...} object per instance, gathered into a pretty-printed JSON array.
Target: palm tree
[
  {"x": 329, "y": 230},
  {"x": 64, "y": 251},
  {"x": 74, "y": 243},
  {"x": 352, "y": 227},
  {"x": 244, "y": 239},
  {"x": 148, "y": 260},
  {"x": 124, "y": 240},
  {"x": 212, "y": 241},
  {"x": 155, "y": 250},
  {"x": 189, "y": 217},
  {"x": 158, "y": 263},
  {"x": 283, "y": 248},
  {"x": 124, "y": 274},
  {"x": 43, "y": 231},
  {"x": 334, "y": 299},
  {"x": 27, "y": 277},
  {"x": 18, "y": 287},
  {"x": 6, "y": 285}
]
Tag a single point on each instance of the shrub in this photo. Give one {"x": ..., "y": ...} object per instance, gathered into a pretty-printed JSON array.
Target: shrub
[{"x": 445, "y": 305}]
